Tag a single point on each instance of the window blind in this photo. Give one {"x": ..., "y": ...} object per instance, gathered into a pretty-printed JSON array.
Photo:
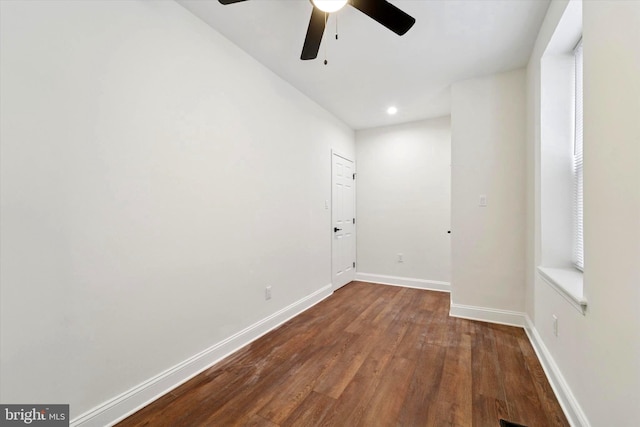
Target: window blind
[{"x": 578, "y": 220}]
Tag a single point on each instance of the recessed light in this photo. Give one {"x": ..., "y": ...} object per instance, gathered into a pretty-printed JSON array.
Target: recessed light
[{"x": 392, "y": 110}]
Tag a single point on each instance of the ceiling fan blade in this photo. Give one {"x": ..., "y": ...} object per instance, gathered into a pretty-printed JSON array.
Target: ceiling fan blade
[
  {"x": 230, "y": 1},
  {"x": 314, "y": 35},
  {"x": 386, "y": 14}
]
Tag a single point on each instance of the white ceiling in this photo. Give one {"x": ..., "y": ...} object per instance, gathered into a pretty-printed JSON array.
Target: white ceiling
[{"x": 370, "y": 67}]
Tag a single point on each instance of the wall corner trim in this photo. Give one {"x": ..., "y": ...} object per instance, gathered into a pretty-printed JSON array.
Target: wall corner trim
[
  {"x": 485, "y": 314},
  {"x": 120, "y": 407},
  {"x": 567, "y": 400},
  {"x": 407, "y": 282}
]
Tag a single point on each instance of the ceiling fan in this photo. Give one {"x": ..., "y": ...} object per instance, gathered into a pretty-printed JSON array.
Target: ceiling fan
[{"x": 381, "y": 11}]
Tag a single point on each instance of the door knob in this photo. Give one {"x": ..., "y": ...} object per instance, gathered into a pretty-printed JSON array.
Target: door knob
[{"x": 336, "y": 229}]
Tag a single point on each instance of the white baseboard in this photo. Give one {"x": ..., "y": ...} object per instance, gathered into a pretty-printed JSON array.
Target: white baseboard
[
  {"x": 120, "y": 407},
  {"x": 484, "y": 314},
  {"x": 407, "y": 282},
  {"x": 567, "y": 400}
]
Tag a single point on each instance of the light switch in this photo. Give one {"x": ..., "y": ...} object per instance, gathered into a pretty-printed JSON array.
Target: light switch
[{"x": 483, "y": 200}]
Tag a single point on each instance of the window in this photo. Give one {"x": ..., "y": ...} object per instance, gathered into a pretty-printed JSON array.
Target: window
[
  {"x": 560, "y": 165},
  {"x": 578, "y": 241}
]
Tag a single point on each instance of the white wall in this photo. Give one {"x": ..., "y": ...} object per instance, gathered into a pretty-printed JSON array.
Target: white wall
[
  {"x": 612, "y": 210},
  {"x": 403, "y": 200},
  {"x": 596, "y": 355},
  {"x": 488, "y": 158},
  {"x": 154, "y": 179}
]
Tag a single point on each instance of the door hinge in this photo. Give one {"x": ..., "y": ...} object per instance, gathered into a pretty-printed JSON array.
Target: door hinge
[
  {"x": 354, "y": 264},
  {"x": 354, "y": 176},
  {"x": 354, "y": 220}
]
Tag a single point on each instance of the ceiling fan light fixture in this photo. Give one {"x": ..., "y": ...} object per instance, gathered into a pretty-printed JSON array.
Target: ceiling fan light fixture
[{"x": 329, "y": 6}]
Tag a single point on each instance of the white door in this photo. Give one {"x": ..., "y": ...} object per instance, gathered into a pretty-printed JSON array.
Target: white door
[{"x": 343, "y": 221}]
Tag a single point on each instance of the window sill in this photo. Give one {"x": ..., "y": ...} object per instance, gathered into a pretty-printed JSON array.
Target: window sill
[{"x": 568, "y": 283}]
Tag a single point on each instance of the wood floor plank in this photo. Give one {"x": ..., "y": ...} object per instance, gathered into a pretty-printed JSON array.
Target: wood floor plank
[
  {"x": 550, "y": 405},
  {"x": 310, "y": 412},
  {"x": 335, "y": 379},
  {"x": 524, "y": 404},
  {"x": 489, "y": 398},
  {"x": 417, "y": 316},
  {"x": 487, "y": 380},
  {"x": 247, "y": 401},
  {"x": 258, "y": 421},
  {"x": 423, "y": 388},
  {"x": 488, "y": 411},
  {"x": 389, "y": 331},
  {"x": 381, "y": 343},
  {"x": 369, "y": 355},
  {"x": 351, "y": 406},
  {"x": 414, "y": 339},
  {"x": 388, "y": 398},
  {"x": 454, "y": 399},
  {"x": 367, "y": 315},
  {"x": 291, "y": 394}
]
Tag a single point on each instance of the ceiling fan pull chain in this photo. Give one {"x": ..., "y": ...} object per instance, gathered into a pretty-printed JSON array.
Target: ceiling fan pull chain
[
  {"x": 336, "y": 27},
  {"x": 326, "y": 18}
]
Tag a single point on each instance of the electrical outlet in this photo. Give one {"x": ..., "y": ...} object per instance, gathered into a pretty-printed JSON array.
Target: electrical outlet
[
  {"x": 555, "y": 325},
  {"x": 400, "y": 258},
  {"x": 267, "y": 293}
]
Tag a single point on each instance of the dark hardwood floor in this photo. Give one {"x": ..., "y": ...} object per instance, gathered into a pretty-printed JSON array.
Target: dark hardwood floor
[{"x": 369, "y": 355}]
